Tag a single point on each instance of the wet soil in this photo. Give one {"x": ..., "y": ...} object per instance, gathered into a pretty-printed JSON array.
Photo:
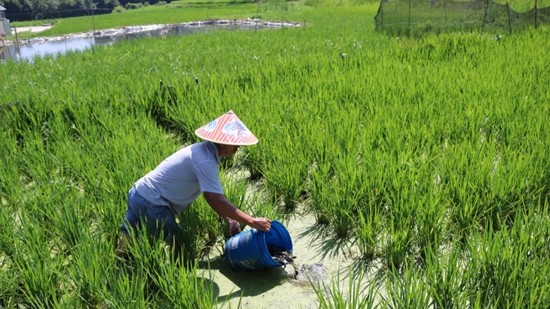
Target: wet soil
[{"x": 314, "y": 260}]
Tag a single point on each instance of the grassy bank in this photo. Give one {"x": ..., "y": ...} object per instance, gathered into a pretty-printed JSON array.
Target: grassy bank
[{"x": 430, "y": 156}]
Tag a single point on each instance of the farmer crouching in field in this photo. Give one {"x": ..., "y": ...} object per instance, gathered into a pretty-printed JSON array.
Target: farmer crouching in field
[{"x": 155, "y": 200}]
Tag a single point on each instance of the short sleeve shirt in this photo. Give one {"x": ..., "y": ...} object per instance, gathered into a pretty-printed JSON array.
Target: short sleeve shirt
[{"x": 182, "y": 177}]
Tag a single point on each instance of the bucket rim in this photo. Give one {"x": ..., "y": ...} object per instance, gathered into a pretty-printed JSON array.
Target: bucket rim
[{"x": 281, "y": 230}]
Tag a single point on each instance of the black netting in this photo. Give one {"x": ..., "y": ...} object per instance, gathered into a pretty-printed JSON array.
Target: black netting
[{"x": 416, "y": 17}]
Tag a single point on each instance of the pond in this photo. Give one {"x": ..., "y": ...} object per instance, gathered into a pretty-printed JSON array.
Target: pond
[{"x": 28, "y": 49}]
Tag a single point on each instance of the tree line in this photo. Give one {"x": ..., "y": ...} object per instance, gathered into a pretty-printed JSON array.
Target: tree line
[{"x": 22, "y": 10}]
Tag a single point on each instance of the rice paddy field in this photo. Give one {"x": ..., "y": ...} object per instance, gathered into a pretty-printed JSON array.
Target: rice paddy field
[{"x": 431, "y": 156}]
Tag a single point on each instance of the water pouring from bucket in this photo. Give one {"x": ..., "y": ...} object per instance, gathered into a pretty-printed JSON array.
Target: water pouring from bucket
[{"x": 253, "y": 249}]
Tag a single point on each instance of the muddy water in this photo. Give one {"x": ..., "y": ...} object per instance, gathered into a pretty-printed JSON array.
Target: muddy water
[{"x": 282, "y": 287}]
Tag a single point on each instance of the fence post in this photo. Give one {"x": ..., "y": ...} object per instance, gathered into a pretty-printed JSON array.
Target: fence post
[
  {"x": 536, "y": 9},
  {"x": 410, "y": 17},
  {"x": 93, "y": 18},
  {"x": 484, "y": 15},
  {"x": 445, "y": 11},
  {"x": 382, "y": 12},
  {"x": 509, "y": 18},
  {"x": 17, "y": 42}
]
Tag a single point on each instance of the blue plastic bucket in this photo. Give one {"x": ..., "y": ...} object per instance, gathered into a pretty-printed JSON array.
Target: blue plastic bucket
[{"x": 248, "y": 250}]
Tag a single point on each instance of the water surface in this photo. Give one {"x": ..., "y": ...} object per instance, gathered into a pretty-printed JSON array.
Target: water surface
[{"x": 55, "y": 46}]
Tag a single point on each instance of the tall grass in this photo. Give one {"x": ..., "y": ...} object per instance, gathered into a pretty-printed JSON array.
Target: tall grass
[
  {"x": 430, "y": 155},
  {"x": 354, "y": 293}
]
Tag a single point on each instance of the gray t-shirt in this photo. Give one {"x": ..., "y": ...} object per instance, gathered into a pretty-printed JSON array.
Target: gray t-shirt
[{"x": 182, "y": 177}]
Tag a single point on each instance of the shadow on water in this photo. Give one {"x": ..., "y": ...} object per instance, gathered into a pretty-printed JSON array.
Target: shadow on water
[
  {"x": 55, "y": 46},
  {"x": 248, "y": 283}
]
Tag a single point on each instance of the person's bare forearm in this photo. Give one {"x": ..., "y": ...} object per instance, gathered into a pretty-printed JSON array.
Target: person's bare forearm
[{"x": 226, "y": 210}]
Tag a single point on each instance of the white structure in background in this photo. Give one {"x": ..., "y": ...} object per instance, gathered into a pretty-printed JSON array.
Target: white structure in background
[{"x": 4, "y": 23}]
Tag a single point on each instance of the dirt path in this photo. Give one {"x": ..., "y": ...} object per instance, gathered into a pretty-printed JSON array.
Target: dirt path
[{"x": 34, "y": 29}]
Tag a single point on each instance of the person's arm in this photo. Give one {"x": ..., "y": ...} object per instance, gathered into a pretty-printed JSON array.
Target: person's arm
[{"x": 228, "y": 211}]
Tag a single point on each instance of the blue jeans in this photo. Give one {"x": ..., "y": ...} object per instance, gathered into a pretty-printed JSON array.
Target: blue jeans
[{"x": 157, "y": 219}]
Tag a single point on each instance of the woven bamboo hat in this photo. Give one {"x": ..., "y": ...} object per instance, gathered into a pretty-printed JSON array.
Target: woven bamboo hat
[{"x": 227, "y": 129}]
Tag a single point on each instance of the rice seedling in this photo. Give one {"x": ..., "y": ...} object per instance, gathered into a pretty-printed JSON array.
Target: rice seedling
[
  {"x": 171, "y": 281},
  {"x": 342, "y": 294},
  {"x": 507, "y": 268},
  {"x": 368, "y": 232},
  {"x": 399, "y": 239},
  {"x": 445, "y": 281},
  {"x": 39, "y": 272},
  {"x": 197, "y": 238},
  {"x": 405, "y": 290},
  {"x": 88, "y": 285},
  {"x": 287, "y": 185},
  {"x": 8, "y": 286},
  {"x": 338, "y": 186},
  {"x": 417, "y": 151}
]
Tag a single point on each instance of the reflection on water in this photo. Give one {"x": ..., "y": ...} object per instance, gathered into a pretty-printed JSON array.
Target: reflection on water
[
  {"x": 41, "y": 47},
  {"x": 29, "y": 51}
]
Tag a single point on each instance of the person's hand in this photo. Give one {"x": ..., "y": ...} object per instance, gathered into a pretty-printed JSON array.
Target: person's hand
[
  {"x": 262, "y": 224},
  {"x": 234, "y": 227}
]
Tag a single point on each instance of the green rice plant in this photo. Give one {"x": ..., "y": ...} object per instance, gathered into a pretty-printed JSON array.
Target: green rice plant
[
  {"x": 162, "y": 107},
  {"x": 507, "y": 269},
  {"x": 90, "y": 270},
  {"x": 287, "y": 177},
  {"x": 431, "y": 223},
  {"x": 338, "y": 184},
  {"x": 416, "y": 150},
  {"x": 254, "y": 162},
  {"x": 171, "y": 284},
  {"x": 247, "y": 195},
  {"x": 397, "y": 245},
  {"x": 8, "y": 289},
  {"x": 355, "y": 293},
  {"x": 399, "y": 239},
  {"x": 181, "y": 287},
  {"x": 7, "y": 234},
  {"x": 368, "y": 230},
  {"x": 406, "y": 290},
  {"x": 9, "y": 167},
  {"x": 147, "y": 255},
  {"x": 38, "y": 272},
  {"x": 338, "y": 203},
  {"x": 127, "y": 285},
  {"x": 8, "y": 286},
  {"x": 466, "y": 211},
  {"x": 67, "y": 219},
  {"x": 197, "y": 225},
  {"x": 511, "y": 186},
  {"x": 444, "y": 276}
]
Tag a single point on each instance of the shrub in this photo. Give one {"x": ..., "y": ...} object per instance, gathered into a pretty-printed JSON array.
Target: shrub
[
  {"x": 118, "y": 9},
  {"x": 133, "y": 6}
]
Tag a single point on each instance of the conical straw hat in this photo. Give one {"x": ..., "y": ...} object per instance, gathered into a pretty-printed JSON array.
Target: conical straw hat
[{"x": 227, "y": 129}]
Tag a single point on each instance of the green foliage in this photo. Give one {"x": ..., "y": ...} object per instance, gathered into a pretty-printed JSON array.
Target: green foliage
[
  {"x": 133, "y": 6},
  {"x": 416, "y": 151},
  {"x": 18, "y": 10},
  {"x": 350, "y": 294},
  {"x": 420, "y": 17}
]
